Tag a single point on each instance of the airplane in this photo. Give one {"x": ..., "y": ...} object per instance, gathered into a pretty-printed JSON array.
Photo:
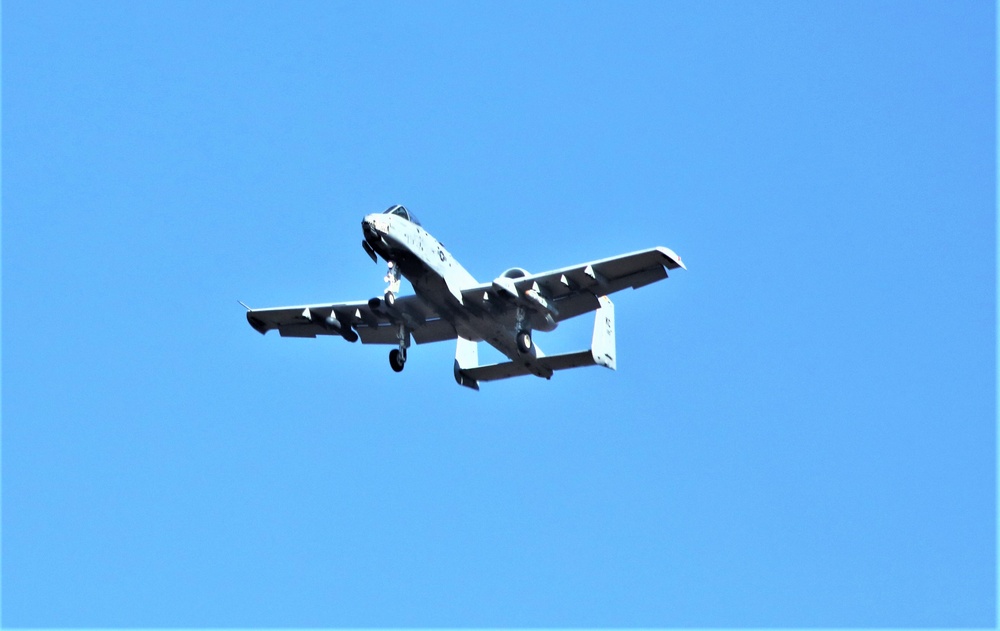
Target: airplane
[{"x": 449, "y": 304}]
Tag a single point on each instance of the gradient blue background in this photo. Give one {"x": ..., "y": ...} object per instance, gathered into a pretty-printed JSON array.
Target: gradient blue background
[{"x": 802, "y": 428}]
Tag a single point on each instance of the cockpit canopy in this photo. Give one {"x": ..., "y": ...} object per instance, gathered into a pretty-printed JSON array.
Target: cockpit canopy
[{"x": 401, "y": 211}]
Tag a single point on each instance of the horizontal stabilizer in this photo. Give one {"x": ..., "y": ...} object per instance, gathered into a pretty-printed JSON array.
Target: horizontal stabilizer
[
  {"x": 505, "y": 370},
  {"x": 601, "y": 353}
]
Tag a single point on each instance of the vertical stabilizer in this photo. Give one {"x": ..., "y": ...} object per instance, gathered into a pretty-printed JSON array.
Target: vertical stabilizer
[
  {"x": 603, "y": 343},
  {"x": 466, "y": 358}
]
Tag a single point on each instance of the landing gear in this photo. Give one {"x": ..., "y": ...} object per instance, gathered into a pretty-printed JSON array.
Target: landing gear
[
  {"x": 392, "y": 278},
  {"x": 397, "y": 359},
  {"x": 524, "y": 343},
  {"x": 397, "y": 356}
]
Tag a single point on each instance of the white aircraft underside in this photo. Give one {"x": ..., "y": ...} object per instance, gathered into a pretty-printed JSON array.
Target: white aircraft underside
[{"x": 450, "y": 304}]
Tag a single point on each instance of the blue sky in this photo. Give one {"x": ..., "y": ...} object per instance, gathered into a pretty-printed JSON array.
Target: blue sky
[{"x": 801, "y": 431}]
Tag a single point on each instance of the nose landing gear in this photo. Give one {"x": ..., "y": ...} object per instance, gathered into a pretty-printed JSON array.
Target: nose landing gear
[
  {"x": 392, "y": 279},
  {"x": 397, "y": 356}
]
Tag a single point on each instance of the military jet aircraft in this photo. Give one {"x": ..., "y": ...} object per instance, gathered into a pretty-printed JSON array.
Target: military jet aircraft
[{"x": 450, "y": 304}]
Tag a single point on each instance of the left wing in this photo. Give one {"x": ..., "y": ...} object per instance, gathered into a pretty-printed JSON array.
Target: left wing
[
  {"x": 571, "y": 291},
  {"x": 353, "y": 320}
]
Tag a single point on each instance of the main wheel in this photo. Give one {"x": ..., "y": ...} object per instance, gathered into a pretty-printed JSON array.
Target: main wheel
[
  {"x": 390, "y": 299},
  {"x": 397, "y": 360},
  {"x": 524, "y": 341}
]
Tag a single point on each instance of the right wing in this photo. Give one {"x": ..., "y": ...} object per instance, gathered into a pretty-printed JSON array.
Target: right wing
[
  {"x": 373, "y": 326},
  {"x": 574, "y": 290}
]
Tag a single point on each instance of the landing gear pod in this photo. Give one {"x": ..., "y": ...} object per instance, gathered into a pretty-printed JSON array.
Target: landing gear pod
[{"x": 524, "y": 343}]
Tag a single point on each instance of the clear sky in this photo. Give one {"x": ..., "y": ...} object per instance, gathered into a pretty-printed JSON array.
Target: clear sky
[{"x": 801, "y": 430}]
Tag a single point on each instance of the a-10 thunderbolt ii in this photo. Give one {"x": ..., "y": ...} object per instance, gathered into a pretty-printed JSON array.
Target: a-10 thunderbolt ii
[{"x": 450, "y": 304}]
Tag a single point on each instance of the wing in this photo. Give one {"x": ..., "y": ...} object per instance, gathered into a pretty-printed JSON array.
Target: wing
[
  {"x": 570, "y": 291},
  {"x": 373, "y": 326}
]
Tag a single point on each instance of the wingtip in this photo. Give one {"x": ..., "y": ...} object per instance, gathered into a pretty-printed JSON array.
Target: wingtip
[
  {"x": 673, "y": 257},
  {"x": 258, "y": 325}
]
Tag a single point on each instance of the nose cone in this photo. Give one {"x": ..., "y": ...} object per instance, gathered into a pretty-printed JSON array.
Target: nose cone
[{"x": 368, "y": 224}]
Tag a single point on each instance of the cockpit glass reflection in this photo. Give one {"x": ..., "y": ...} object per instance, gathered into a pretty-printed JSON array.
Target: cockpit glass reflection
[{"x": 400, "y": 211}]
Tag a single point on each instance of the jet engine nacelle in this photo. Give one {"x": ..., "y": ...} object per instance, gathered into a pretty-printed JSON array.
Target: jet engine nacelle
[
  {"x": 505, "y": 281},
  {"x": 542, "y": 312},
  {"x": 515, "y": 272}
]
